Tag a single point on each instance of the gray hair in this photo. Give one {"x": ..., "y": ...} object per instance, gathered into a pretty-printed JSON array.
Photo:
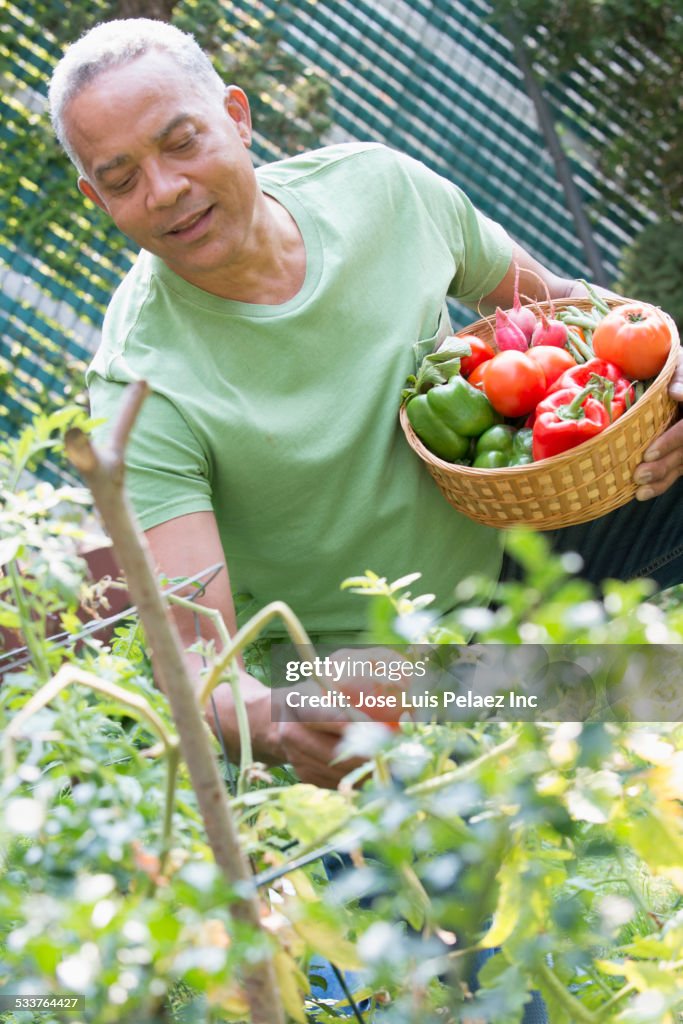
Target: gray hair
[{"x": 111, "y": 44}]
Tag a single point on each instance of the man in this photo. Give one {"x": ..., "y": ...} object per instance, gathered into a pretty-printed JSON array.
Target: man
[{"x": 274, "y": 314}]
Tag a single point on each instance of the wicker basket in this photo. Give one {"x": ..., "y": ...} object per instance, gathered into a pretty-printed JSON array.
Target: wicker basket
[{"x": 574, "y": 487}]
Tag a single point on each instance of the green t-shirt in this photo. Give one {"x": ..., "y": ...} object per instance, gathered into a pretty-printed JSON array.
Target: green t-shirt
[{"x": 283, "y": 419}]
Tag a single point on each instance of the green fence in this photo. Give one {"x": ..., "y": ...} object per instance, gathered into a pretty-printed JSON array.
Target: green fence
[{"x": 431, "y": 77}]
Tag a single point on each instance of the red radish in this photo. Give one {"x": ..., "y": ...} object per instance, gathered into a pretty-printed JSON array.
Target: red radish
[
  {"x": 507, "y": 334},
  {"x": 549, "y": 332},
  {"x": 521, "y": 316}
]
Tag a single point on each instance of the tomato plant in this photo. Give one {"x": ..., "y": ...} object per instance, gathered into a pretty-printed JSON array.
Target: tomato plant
[
  {"x": 481, "y": 352},
  {"x": 636, "y": 337},
  {"x": 514, "y": 383},
  {"x": 556, "y": 841}
]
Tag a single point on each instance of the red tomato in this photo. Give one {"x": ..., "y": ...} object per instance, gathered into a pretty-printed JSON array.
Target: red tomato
[
  {"x": 514, "y": 383},
  {"x": 381, "y": 712},
  {"x": 636, "y": 337},
  {"x": 481, "y": 351},
  {"x": 552, "y": 360},
  {"x": 476, "y": 378}
]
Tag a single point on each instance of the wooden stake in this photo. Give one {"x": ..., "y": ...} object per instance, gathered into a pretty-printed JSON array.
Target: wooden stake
[{"x": 103, "y": 471}]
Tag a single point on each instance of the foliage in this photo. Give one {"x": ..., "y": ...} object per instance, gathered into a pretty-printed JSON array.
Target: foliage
[
  {"x": 289, "y": 100},
  {"x": 557, "y": 843},
  {"x": 42, "y": 212},
  {"x": 630, "y": 58},
  {"x": 652, "y": 268},
  {"x": 40, "y": 588}
]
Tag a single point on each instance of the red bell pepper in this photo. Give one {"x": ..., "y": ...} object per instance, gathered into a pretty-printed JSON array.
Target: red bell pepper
[
  {"x": 579, "y": 376},
  {"x": 568, "y": 417}
]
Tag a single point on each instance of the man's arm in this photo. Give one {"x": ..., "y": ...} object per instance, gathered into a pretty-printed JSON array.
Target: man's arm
[
  {"x": 534, "y": 278},
  {"x": 663, "y": 461},
  {"x": 183, "y": 547}
]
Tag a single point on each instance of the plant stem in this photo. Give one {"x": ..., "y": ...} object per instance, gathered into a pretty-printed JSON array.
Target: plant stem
[
  {"x": 339, "y": 975},
  {"x": 419, "y": 789},
  {"x": 616, "y": 998},
  {"x": 249, "y": 632},
  {"x": 241, "y": 716},
  {"x": 172, "y": 764},
  {"x": 462, "y": 771},
  {"x": 69, "y": 674},
  {"x": 576, "y": 1011},
  {"x": 33, "y": 642},
  {"x": 103, "y": 471}
]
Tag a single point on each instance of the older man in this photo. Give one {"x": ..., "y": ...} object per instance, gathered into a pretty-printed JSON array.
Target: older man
[{"x": 275, "y": 315}]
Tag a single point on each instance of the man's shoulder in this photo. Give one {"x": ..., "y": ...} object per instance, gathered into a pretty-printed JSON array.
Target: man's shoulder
[
  {"x": 133, "y": 289},
  {"x": 123, "y": 315},
  {"x": 326, "y": 158}
]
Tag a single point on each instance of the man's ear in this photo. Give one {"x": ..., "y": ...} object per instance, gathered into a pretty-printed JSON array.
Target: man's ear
[
  {"x": 237, "y": 106},
  {"x": 86, "y": 188}
]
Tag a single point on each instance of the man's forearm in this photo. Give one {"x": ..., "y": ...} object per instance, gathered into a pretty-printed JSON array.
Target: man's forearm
[
  {"x": 579, "y": 291},
  {"x": 257, "y": 700}
]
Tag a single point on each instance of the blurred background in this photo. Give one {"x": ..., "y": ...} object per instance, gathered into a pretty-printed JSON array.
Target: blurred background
[{"x": 563, "y": 120}]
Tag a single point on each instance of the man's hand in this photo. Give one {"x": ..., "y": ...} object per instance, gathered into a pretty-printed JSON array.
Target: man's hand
[
  {"x": 309, "y": 742},
  {"x": 662, "y": 463},
  {"x": 310, "y": 748},
  {"x": 181, "y": 547}
]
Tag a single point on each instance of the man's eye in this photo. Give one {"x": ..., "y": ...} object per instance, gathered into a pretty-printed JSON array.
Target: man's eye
[
  {"x": 121, "y": 186},
  {"x": 184, "y": 143}
]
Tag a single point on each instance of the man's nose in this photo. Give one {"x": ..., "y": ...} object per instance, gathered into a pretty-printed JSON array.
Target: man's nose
[{"x": 165, "y": 186}]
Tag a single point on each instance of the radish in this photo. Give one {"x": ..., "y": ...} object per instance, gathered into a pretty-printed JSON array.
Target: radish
[
  {"x": 549, "y": 332},
  {"x": 521, "y": 316},
  {"x": 507, "y": 334}
]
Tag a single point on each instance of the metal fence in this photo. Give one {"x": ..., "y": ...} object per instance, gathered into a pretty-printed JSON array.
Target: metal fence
[{"x": 431, "y": 77}]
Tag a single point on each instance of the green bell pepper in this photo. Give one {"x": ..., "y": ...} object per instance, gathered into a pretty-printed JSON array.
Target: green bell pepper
[
  {"x": 521, "y": 448},
  {"x": 492, "y": 459},
  {"x": 494, "y": 447},
  {"x": 501, "y": 446},
  {"x": 430, "y": 428},
  {"x": 462, "y": 407}
]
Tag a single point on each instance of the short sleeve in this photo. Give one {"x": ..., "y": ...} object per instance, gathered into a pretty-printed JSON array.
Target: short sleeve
[
  {"x": 481, "y": 248},
  {"x": 167, "y": 471},
  {"x": 486, "y": 253}
]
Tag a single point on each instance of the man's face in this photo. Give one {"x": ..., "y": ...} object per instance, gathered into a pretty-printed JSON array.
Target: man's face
[{"x": 168, "y": 160}]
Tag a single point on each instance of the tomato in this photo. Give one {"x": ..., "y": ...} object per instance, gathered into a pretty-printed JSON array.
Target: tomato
[
  {"x": 382, "y": 703},
  {"x": 514, "y": 383},
  {"x": 552, "y": 360},
  {"x": 481, "y": 351},
  {"x": 476, "y": 378},
  {"x": 636, "y": 337}
]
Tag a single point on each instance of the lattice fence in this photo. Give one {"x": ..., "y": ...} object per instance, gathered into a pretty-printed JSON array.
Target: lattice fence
[{"x": 431, "y": 77}]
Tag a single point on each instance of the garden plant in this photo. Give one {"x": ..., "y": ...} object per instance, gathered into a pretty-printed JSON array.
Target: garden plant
[{"x": 116, "y": 886}]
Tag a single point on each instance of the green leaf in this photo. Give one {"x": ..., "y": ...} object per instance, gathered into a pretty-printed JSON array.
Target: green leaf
[
  {"x": 503, "y": 993},
  {"x": 9, "y": 549},
  {"x": 510, "y": 900},
  {"x": 312, "y": 812}
]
